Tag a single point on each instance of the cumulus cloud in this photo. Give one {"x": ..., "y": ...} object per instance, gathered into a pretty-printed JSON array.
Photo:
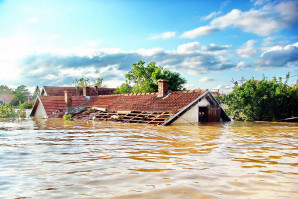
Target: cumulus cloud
[
  {"x": 247, "y": 50},
  {"x": 264, "y": 21},
  {"x": 62, "y": 68},
  {"x": 279, "y": 56},
  {"x": 189, "y": 48},
  {"x": 207, "y": 79},
  {"x": 164, "y": 35}
]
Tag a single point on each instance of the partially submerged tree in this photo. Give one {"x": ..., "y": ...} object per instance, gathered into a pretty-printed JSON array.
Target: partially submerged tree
[
  {"x": 264, "y": 100},
  {"x": 144, "y": 79}
]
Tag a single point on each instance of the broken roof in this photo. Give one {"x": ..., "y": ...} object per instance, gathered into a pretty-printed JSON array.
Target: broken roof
[
  {"x": 59, "y": 91},
  {"x": 172, "y": 103}
]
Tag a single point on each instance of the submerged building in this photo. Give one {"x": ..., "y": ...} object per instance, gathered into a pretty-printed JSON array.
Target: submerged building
[{"x": 161, "y": 108}]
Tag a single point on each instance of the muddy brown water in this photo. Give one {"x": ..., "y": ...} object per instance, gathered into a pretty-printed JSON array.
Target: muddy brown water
[{"x": 57, "y": 159}]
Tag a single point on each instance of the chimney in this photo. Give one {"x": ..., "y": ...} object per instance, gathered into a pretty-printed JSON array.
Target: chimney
[
  {"x": 86, "y": 91},
  {"x": 96, "y": 90},
  {"x": 68, "y": 101},
  {"x": 77, "y": 91},
  {"x": 162, "y": 87}
]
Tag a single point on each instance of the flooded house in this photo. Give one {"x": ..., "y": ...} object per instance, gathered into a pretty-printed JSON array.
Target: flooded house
[
  {"x": 5, "y": 98},
  {"x": 160, "y": 108}
]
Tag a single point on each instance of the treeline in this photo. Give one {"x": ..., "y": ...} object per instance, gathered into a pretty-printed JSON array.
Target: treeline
[{"x": 264, "y": 100}]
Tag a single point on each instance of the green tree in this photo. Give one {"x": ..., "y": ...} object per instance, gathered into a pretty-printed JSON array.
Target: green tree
[
  {"x": 144, "y": 79},
  {"x": 83, "y": 82},
  {"x": 264, "y": 100},
  {"x": 21, "y": 93},
  {"x": 124, "y": 88},
  {"x": 5, "y": 89}
]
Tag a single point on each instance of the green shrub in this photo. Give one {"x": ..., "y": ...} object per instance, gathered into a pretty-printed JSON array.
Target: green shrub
[
  {"x": 68, "y": 117},
  {"x": 264, "y": 100},
  {"x": 7, "y": 111}
]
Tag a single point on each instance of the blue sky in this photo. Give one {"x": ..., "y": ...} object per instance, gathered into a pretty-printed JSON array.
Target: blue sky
[{"x": 208, "y": 42}]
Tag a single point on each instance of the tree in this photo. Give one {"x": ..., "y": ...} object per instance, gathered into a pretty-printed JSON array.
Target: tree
[
  {"x": 264, "y": 100},
  {"x": 84, "y": 82},
  {"x": 21, "y": 93},
  {"x": 124, "y": 88},
  {"x": 144, "y": 79},
  {"x": 5, "y": 89}
]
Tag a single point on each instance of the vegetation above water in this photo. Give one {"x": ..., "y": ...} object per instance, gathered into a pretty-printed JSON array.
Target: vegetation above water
[
  {"x": 264, "y": 100},
  {"x": 144, "y": 79},
  {"x": 68, "y": 117},
  {"x": 10, "y": 112}
]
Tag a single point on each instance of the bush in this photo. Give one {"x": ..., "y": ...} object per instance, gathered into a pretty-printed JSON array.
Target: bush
[
  {"x": 264, "y": 100},
  {"x": 7, "y": 111},
  {"x": 68, "y": 117},
  {"x": 27, "y": 105}
]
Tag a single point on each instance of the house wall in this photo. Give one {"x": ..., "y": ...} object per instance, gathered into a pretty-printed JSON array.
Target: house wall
[
  {"x": 192, "y": 115},
  {"x": 40, "y": 112}
]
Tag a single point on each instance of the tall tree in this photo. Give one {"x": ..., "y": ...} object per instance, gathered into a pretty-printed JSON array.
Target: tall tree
[
  {"x": 144, "y": 79},
  {"x": 21, "y": 93}
]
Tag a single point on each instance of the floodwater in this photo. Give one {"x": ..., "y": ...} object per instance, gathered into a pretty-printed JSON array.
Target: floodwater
[{"x": 58, "y": 159}]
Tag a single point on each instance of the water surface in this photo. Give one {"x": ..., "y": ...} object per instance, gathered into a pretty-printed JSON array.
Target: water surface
[{"x": 57, "y": 159}]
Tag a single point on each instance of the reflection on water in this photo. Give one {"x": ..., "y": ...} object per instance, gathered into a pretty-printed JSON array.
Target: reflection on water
[{"x": 57, "y": 159}]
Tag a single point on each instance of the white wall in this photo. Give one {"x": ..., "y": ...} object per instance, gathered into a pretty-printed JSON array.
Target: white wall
[
  {"x": 40, "y": 112},
  {"x": 192, "y": 115}
]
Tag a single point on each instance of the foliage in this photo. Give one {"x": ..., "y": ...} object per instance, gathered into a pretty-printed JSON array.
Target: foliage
[
  {"x": 68, "y": 117},
  {"x": 7, "y": 111},
  {"x": 84, "y": 82},
  {"x": 5, "y": 89},
  {"x": 20, "y": 95},
  {"x": 27, "y": 105},
  {"x": 264, "y": 100},
  {"x": 145, "y": 78},
  {"x": 124, "y": 88},
  {"x": 220, "y": 98}
]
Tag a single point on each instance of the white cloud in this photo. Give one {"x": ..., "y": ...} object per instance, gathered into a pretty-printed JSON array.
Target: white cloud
[
  {"x": 200, "y": 31},
  {"x": 164, "y": 35},
  {"x": 247, "y": 22},
  {"x": 207, "y": 79},
  {"x": 189, "y": 48},
  {"x": 247, "y": 50},
  {"x": 270, "y": 18},
  {"x": 279, "y": 56},
  {"x": 211, "y": 15}
]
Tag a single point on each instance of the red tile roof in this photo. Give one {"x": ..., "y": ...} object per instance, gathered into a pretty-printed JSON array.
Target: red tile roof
[
  {"x": 172, "y": 103},
  {"x": 6, "y": 97},
  {"x": 54, "y": 105},
  {"x": 59, "y": 91}
]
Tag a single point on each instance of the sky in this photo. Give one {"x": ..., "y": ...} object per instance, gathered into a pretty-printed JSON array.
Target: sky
[{"x": 210, "y": 43}]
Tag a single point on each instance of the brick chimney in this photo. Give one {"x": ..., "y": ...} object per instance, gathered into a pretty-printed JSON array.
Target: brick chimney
[
  {"x": 68, "y": 101},
  {"x": 162, "y": 87},
  {"x": 86, "y": 91},
  {"x": 77, "y": 91},
  {"x": 96, "y": 89}
]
